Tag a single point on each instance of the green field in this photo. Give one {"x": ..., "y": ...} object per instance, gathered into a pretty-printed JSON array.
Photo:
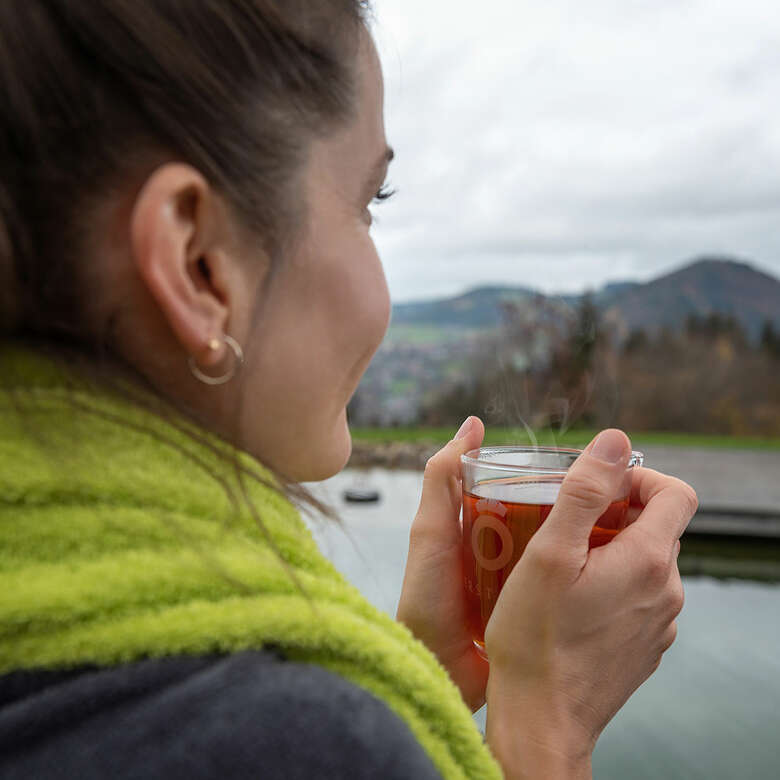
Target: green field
[{"x": 572, "y": 438}]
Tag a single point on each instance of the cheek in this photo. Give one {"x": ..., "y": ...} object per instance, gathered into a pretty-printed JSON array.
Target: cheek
[
  {"x": 324, "y": 327},
  {"x": 372, "y": 286},
  {"x": 371, "y": 301},
  {"x": 353, "y": 305}
]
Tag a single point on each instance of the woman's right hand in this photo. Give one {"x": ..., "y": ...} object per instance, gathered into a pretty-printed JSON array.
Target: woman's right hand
[{"x": 576, "y": 631}]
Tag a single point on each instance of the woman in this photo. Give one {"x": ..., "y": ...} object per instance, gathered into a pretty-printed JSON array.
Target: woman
[{"x": 190, "y": 295}]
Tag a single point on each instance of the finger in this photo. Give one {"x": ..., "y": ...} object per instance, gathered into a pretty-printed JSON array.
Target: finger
[
  {"x": 651, "y": 564},
  {"x": 668, "y": 637},
  {"x": 675, "y": 591},
  {"x": 645, "y": 483},
  {"x": 669, "y": 505},
  {"x": 436, "y": 522},
  {"x": 594, "y": 480}
]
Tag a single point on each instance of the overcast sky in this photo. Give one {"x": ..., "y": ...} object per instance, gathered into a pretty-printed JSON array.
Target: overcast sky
[{"x": 560, "y": 144}]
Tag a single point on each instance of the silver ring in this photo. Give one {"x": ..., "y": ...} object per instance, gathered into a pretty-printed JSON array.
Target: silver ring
[{"x": 220, "y": 380}]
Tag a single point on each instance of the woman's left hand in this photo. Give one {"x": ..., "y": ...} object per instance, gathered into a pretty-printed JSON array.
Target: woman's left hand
[{"x": 432, "y": 603}]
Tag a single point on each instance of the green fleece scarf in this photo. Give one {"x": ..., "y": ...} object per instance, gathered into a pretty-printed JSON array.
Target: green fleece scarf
[{"x": 119, "y": 541}]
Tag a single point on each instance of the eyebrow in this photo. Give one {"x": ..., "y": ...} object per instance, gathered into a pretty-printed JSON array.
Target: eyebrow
[{"x": 387, "y": 157}]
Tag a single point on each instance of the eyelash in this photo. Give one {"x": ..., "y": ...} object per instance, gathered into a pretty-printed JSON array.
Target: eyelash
[{"x": 383, "y": 194}]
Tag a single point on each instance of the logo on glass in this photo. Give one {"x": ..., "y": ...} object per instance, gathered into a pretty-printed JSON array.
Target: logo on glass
[{"x": 485, "y": 523}]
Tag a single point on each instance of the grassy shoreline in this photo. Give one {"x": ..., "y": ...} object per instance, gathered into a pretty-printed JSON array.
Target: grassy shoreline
[{"x": 571, "y": 438}]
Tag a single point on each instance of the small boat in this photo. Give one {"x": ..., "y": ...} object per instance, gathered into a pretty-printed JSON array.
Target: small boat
[{"x": 361, "y": 495}]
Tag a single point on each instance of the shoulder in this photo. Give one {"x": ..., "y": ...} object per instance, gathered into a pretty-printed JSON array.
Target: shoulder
[{"x": 247, "y": 714}]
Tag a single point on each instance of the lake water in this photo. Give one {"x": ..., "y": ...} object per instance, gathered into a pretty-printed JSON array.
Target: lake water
[{"x": 712, "y": 710}]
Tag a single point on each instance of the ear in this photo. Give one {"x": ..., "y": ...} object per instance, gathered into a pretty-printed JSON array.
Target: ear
[{"x": 174, "y": 234}]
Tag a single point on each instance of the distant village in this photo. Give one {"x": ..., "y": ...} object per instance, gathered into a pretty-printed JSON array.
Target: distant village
[
  {"x": 444, "y": 356},
  {"x": 404, "y": 375}
]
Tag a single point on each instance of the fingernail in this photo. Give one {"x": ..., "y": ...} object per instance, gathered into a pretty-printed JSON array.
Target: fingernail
[
  {"x": 610, "y": 446},
  {"x": 464, "y": 429}
]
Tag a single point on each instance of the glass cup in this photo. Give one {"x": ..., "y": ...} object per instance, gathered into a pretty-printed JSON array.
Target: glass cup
[{"x": 507, "y": 494}]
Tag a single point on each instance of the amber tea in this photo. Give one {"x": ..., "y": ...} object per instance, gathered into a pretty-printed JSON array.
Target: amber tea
[
  {"x": 498, "y": 522},
  {"x": 508, "y": 492}
]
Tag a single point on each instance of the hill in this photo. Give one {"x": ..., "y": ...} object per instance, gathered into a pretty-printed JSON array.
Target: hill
[
  {"x": 477, "y": 308},
  {"x": 704, "y": 286}
]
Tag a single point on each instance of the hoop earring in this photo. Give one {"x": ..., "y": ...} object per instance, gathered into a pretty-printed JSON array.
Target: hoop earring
[{"x": 219, "y": 380}]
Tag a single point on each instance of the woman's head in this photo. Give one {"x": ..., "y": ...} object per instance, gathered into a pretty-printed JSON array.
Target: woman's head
[{"x": 173, "y": 172}]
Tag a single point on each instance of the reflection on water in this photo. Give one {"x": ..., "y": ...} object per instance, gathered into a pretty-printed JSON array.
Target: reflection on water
[{"x": 710, "y": 711}]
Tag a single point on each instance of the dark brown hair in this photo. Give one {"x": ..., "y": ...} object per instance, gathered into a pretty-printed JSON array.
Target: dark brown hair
[{"x": 95, "y": 91}]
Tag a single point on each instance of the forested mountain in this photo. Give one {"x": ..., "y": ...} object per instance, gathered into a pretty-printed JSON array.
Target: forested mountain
[{"x": 706, "y": 285}]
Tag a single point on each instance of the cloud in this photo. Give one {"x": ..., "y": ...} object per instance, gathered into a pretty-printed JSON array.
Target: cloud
[{"x": 561, "y": 144}]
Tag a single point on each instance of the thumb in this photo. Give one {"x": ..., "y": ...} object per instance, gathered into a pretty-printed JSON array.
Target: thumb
[
  {"x": 592, "y": 483},
  {"x": 437, "y": 517}
]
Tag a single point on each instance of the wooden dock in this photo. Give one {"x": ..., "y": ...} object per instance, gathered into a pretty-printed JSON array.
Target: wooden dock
[
  {"x": 732, "y": 522},
  {"x": 728, "y": 542}
]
